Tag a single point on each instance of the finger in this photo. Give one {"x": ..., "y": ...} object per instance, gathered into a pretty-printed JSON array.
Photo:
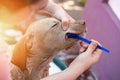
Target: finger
[
  {"x": 82, "y": 44},
  {"x": 82, "y": 49},
  {"x": 92, "y": 46},
  {"x": 4, "y": 68},
  {"x": 97, "y": 53},
  {"x": 65, "y": 23}
]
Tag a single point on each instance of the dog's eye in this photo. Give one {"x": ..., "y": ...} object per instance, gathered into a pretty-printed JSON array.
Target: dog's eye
[{"x": 55, "y": 25}]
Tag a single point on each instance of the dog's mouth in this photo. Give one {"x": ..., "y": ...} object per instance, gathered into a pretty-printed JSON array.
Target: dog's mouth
[
  {"x": 70, "y": 39},
  {"x": 67, "y": 38}
]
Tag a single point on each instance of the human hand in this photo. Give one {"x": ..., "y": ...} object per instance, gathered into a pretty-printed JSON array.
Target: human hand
[
  {"x": 89, "y": 56},
  {"x": 64, "y": 17},
  {"x": 59, "y": 13}
]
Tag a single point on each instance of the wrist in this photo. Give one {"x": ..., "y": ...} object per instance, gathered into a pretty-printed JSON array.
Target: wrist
[
  {"x": 79, "y": 66},
  {"x": 74, "y": 72}
]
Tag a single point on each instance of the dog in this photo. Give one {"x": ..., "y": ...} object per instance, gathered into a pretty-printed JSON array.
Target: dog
[{"x": 41, "y": 42}]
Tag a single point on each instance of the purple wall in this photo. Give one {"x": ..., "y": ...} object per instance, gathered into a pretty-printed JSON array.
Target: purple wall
[{"x": 104, "y": 26}]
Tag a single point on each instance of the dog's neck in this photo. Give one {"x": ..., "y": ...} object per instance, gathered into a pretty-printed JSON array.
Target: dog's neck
[{"x": 38, "y": 64}]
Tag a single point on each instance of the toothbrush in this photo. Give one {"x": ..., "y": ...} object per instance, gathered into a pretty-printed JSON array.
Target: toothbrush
[{"x": 75, "y": 36}]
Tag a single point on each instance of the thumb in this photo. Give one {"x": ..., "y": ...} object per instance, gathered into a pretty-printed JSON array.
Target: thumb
[{"x": 92, "y": 46}]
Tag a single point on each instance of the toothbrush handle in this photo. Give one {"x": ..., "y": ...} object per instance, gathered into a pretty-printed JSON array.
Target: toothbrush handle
[{"x": 75, "y": 36}]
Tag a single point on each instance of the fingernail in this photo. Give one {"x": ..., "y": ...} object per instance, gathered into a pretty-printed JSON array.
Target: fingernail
[{"x": 64, "y": 27}]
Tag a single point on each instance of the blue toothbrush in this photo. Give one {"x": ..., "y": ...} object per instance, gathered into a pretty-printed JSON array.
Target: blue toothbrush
[{"x": 75, "y": 36}]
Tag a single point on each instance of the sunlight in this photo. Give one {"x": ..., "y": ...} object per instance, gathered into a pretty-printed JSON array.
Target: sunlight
[
  {"x": 14, "y": 33},
  {"x": 70, "y": 5}
]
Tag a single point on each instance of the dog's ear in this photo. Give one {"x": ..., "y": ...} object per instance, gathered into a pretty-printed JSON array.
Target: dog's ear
[
  {"x": 21, "y": 51},
  {"x": 20, "y": 54}
]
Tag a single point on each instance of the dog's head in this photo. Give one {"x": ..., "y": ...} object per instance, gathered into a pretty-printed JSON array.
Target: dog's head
[{"x": 48, "y": 36}]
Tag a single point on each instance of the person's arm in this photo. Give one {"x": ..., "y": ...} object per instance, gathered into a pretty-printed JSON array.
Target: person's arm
[
  {"x": 80, "y": 64},
  {"x": 59, "y": 13},
  {"x": 4, "y": 64},
  {"x": 4, "y": 68},
  {"x": 55, "y": 10},
  {"x": 67, "y": 74}
]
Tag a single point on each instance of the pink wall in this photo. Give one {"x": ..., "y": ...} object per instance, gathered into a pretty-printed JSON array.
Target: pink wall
[{"x": 104, "y": 26}]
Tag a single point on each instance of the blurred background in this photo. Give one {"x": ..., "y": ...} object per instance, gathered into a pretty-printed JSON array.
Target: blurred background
[{"x": 73, "y": 7}]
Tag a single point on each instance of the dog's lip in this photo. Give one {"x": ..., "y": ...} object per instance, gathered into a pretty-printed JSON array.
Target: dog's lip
[{"x": 69, "y": 39}]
